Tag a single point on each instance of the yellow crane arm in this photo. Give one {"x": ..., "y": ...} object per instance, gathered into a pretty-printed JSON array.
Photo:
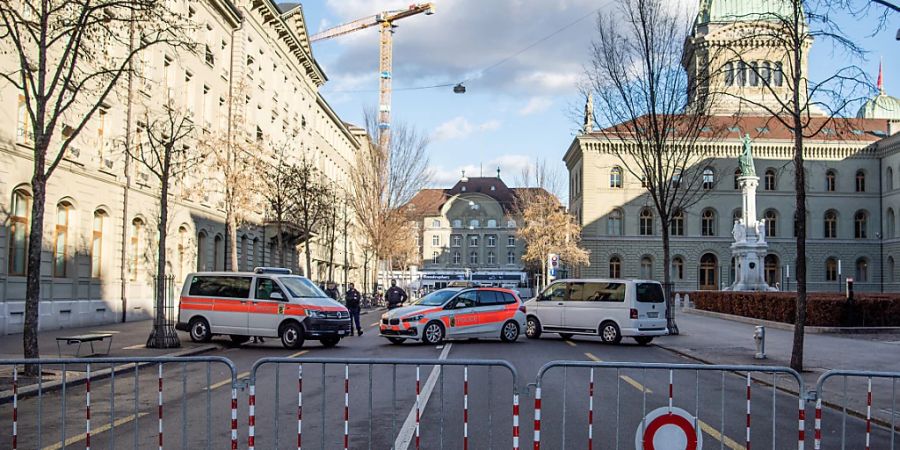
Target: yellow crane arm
[{"x": 370, "y": 21}]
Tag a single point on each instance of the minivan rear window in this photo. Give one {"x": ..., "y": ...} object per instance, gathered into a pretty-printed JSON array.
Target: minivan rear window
[
  {"x": 219, "y": 286},
  {"x": 649, "y": 293}
]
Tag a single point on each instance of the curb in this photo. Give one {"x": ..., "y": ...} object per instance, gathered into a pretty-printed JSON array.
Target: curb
[
  {"x": 790, "y": 327},
  {"x": 32, "y": 390}
]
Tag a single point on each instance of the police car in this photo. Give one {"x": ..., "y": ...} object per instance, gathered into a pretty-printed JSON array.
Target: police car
[
  {"x": 269, "y": 302},
  {"x": 457, "y": 313}
]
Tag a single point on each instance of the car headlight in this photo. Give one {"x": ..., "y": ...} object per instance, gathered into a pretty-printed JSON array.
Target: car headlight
[
  {"x": 414, "y": 318},
  {"x": 384, "y": 316},
  {"x": 315, "y": 314}
]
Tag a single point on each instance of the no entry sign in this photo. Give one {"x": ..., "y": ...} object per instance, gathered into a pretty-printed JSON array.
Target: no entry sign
[{"x": 668, "y": 429}]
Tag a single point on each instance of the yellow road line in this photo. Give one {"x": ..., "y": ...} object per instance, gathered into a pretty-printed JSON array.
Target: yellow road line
[
  {"x": 227, "y": 382},
  {"x": 374, "y": 324},
  {"x": 301, "y": 352},
  {"x": 95, "y": 431},
  {"x": 624, "y": 378},
  {"x": 730, "y": 443},
  {"x": 571, "y": 343}
]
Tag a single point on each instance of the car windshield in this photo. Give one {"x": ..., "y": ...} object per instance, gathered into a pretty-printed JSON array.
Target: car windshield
[
  {"x": 437, "y": 298},
  {"x": 301, "y": 287}
]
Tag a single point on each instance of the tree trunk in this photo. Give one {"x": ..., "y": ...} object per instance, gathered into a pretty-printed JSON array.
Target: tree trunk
[
  {"x": 33, "y": 265},
  {"x": 231, "y": 260},
  {"x": 800, "y": 188},
  {"x": 308, "y": 258},
  {"x": 280, "y": 241},
  {"x": 161, "y": 255}
]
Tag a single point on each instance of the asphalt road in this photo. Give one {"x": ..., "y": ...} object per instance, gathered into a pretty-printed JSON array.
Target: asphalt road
[{"x": 382, "y": 401}]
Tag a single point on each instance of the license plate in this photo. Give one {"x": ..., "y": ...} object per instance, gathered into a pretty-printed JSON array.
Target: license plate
[
  {"x": 653, "y": 315},
  {"x": 340, "y": 331}
]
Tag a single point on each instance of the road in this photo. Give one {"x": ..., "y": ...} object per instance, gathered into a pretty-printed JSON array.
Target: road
[{"x": 196, "y": 400}]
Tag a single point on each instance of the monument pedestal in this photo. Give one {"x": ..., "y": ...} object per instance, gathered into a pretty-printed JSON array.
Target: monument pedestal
[{"x": 750, "y": 247}]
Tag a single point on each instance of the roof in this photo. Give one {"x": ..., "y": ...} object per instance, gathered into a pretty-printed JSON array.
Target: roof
[
  {"x": 431, "y": 201},
  {"x": 881, "y": 106},
  {"x": 743, "y": 10}
]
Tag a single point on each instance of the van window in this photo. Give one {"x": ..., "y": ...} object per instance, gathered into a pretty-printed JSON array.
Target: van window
[
  {"x": 556, "y": 292},
  {"x": 265, "y": 287},
  {"x": 217, "y": 286},
  {"x": 604, "y": 292},
  {"x": 650, "y": 293}
]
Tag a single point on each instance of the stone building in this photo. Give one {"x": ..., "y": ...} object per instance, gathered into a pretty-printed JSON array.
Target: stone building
[
  {"x": 254, "y": 70},
  {"x": 852, "y": 168}
]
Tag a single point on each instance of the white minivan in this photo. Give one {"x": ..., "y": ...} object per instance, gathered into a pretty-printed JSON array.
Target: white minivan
[{"x": 609, "y": 308}]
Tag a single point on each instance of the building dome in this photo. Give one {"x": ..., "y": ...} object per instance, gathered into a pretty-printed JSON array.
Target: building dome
[
  {"x": 881, "y": 106},
  {"x": 742, "y": 10}
]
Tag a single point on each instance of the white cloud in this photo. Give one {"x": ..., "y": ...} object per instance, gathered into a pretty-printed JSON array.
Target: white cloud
[
  {"x": 511, "y": 166},
  {"x": 459, "y": 128},
  {"x": 535, "y": 105}
]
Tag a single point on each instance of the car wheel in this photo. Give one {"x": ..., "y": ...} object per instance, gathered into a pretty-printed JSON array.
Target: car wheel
[
  {"x": 609, "y": 333},
  {"x": 565, "y": 336},
  {"x": 238, "y": 339},
  {"x": 397, "y": 341},
  {"x": 200, "y": 331},
  {"x": 330, "y": 341},
  {"x": 292, "y": 335},
  {"x": 643, "y": 340},
  {"x": 532, "y": 328},
  {"x": 510, "y": 332},
  {"x": 433, "y": 333}
]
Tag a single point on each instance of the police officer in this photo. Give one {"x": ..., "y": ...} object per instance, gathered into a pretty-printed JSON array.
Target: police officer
[
  {"x": 395, "y": 296},
  {"x": 351, "y": 299}
]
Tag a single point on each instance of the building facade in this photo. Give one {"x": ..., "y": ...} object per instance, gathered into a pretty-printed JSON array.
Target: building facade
[
  {"x": 853, "y": 173},
  {"x": 254, "y": 76}
]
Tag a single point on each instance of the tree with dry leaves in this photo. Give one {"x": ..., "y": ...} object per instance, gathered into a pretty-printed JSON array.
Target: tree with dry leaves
[
  {"x": 313, "y": 196},
  {"x": 279, "y": 193},
  {"x": 70, "y": 56}
]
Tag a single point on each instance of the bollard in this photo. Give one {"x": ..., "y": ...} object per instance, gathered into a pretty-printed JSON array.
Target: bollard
[{"x": 759, "y": 336}]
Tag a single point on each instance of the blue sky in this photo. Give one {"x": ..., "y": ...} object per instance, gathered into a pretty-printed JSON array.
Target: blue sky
[{"x": 520, "y": 110}]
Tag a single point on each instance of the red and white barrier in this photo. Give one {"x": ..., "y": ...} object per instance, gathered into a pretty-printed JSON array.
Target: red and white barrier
[
  {"x": 869, "y": 414},
  {"x": 15, "y": 407},
  {"x": 818, "y": 425},
  {"x": 748, "y": 411},
  {"x": 234, "y": 435},
  {"x": 801, "y": 425},
  {"x": 671, "y": 391},
  {"x": 537, "y": 418},
  {"x": 251, "y": 432},
  {"x": 347, "y": 406},
  {"x": 515, "y": 421},
  {"x": 87, "y": 408},
  {"x": 299, "y": 406},
  {"x": 591, "y": 412},
  {"x": 418, "y": 410},
  {"x": 159, "y": 403},
  {"x": 465, "y": 408}
]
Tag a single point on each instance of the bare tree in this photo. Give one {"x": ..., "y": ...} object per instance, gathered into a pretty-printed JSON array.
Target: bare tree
[
  {"x": 652, "y": 109},
  {"x": 330, "y": 223},
  {"x": 71, "y": 55},
  {"x": 313, "y": 197},
  {"x": 279, "y": 192},
  {"x": 166, "y": 155}
]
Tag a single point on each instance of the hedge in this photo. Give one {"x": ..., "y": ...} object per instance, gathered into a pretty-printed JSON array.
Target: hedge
[{"x": 823, "y": 309}]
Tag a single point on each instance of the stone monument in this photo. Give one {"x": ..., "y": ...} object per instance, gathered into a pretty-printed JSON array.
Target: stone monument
[{"x": 750, "y": 247}]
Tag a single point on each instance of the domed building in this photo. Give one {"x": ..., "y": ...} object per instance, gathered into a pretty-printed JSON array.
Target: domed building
[{"x": 882, "y": 106}]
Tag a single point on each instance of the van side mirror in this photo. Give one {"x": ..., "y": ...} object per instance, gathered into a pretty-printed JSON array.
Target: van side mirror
[{"x": 276, "y": 296}]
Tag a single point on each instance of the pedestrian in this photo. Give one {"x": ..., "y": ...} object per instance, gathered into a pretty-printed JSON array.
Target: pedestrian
[
  {"x": 351, "y": 299},
  {"x": 332, "y": 291},
  {"x": 395, "y": 296},
  {"x": 258, "y": 340}
]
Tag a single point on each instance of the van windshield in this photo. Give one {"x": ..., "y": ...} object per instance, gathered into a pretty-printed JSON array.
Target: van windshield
[
  {"x": 301, "y": 287},
  {"x": 649, "y": 293},
  {"x": 437, "y": 298}
]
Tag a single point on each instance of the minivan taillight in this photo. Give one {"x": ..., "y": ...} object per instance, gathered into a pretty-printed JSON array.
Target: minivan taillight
[
  {"x": 522, "y": 308},
  {"x": 633, "y": 313}
]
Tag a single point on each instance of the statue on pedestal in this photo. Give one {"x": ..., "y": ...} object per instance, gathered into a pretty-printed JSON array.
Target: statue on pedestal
[{"x": 745, "y": 161}]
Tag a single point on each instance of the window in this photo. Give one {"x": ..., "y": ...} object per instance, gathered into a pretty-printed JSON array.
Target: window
[
  {"x": 676, "y": 179},
  {"x": 491, "y": 240},
  {"x": 436, "y": 223},
  {"x": 771, "y": 270},
  {"x": 766, "y": 72},
  {"x": 830, "y": 224},
  {"x": 831, "y": 272},
  {"x": 597, "y": 292},
  {"x": 860, "y": 181},
  {"x": 890, "y": 269},
  {"x": 473, "y": 257},
  {"x": 615, "y": 267},
  {"x": 258, "y": 252},
  {"x": 677, "y": 224},
  {"x": 456, "y": 258},
  {"x": 860, "y": 222},
  {"x": 890, "y": 224},
  {"x": 24, "y": 133},
  {"x": 742, "y": 73},
  {"x": 737, "y": 215},
  {"x": 678, "y": 268},
  {"x": 779, "y": 75},
  {"x": 61, "y": 239},
  {"x": 456, "y": 240},
  {"x": 511, "y": 241},
  {"x": 242, "y": 261},
  {"x": 218, "y": 253},
  {"x": 214, "y": 286},
  {"x": 492, "y": 223},
  {"x": 771, "y": 221},
  {"x": 473, "y": 241},
  {"x": 754, "y": 73},
  {"x": 18, "y": 233},
  {"x": 510, "y": 223},
  {"x": 435, "y": 258},
  {"x": 435, "y": 241},
  {"x": 708, "y": 223},
  {"x": 862, "y": 270},
  {"x": 709, "y": 178},
  {"x": 646, "y": 268},
  {"x": 830, "y": 180},
  {"x": 208, "y": 56},
  {"x": 457, "y": 223},
  {"x": 709, "y": 272},
  {"x": 646, "y": 222},
  {"x": 510, "y": 257},
  {"x": 97, "y": 244},
  {"x": 474, "y": 223},
  {"x": 729, "y": 74},
  {"x": 137, "y": 239},
  {"x": 889, "y": 179},
  {"x": 492, "y": 259},
  {"x": 737, "y": 174},
  {"x": 265, "y": 287},
  {"x": 614, "y": 223},
  {"x": 770, "y": 179},
  {"x": 615, "y": 177}
]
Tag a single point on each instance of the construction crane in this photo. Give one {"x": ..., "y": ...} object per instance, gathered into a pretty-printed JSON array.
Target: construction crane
[{"x": 386, "y": 21}]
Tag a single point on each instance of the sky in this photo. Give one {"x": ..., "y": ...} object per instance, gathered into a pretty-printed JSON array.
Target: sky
[{"x": 522, "y": 101}]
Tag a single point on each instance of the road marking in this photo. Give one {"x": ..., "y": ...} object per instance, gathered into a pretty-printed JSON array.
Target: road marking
[
  {"x": 226, "y": 382},
  {"x": 135, "y": 347},
  {"x": 301, "y": 352},
  {"x": 624, "y": 378},
  {"x": 405, "y": 436},
  {"x": 730, "y": 443},
  {"x": 571, "y": 343},
  {"x": 102, "y": 429},
  {"x": 374, "y": 325}
]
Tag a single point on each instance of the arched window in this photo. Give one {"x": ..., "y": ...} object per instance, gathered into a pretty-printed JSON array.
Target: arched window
[
  {"x": 708, "y": 222},
  {"x": 646, "y": 268},
  {"x": 779, "y": 74},
  {"x": 615, "y": 267},
  {"x": 862, "y": 270},
  {"x": 766, "y": 72},
  {"x": 771, "y": 221},
  {"x": 729, "y": 74},
  {"x": 491, "y": 240},
  {"x": 771, "y": 270},
  {"x": 709, "y": 178},
  {"x": 830, "y": 181},
  {"x": 741, "y": 73},
  {"x": 890, "y": 269},
  {"x": 473, "y": 257},
  {"x": 754, "y": 73},
  {"x": 457, "y": 223},
  {"x": 510, "y": 223},
  {"x": 245, "y": 253},
  {"x": 492, "y": 223},
  {"x": 97, "y": 244},
  {"x": 860, "y": 224},
  {"x": 201, "y": 251},
  {"x": 614, "y": 223},
  {"x": 678, "y": 268},
  {"x": 831, "y": 269},
  {"x": 890, "y": 224},
  {"x": 219, "y": 252},
  {"x": 257, "y": 252},
  {"x": 889, "y": 179},
  {"x": 61, "y": 239},
  {"x": 182, "y": 250},
  {"x": 860, "y": 181},
  {"x": 737, "y": 174},
  {"x": 737, "y": 215},
  {"x": 137, "y": 244},
  {"x": 18, "y": 232},
  {"x": 770, "y": 180},
  {"x": 831, "y": 221},
  {"x": 474, "y": 223},
  {"x": 709, "y": 271},
  {"x": 677, "y": 223},
  {"x": 615, "y": 177},
  {"x": 646, "y": 222}
]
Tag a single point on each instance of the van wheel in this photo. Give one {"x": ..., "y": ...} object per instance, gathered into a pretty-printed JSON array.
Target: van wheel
[
  {"x": 532, "y": 328},
  {"x": 643, "y": 340},
  {"x": 433, "y": 333},
  {"x": 238, "y": 339},
  {"x": 292, "y": 335},
  {"x": 330, "y": 341},
  {"x": 510, "y": 332},
  {"x": 200, "y": 331},
  {"x": 565, "y": 336},
  {"x": 396, "y": 341},
  {"x": 609, "y": 333}
]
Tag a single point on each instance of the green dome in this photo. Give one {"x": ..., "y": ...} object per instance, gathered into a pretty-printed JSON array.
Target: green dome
[
  {"x": 880, "y": 107},
  {"x": 742, "y": 10}
]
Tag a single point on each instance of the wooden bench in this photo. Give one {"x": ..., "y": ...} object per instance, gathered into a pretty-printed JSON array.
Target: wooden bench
[{"x": 84, "y": 338}]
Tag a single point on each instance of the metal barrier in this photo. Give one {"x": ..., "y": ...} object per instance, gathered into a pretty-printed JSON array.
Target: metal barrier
[
  {"x": 643, "y": 380},
  {"x": 860, "y": 393},
  {"x": 42, "y": 409},
  {"x": 454, "y": 401}
]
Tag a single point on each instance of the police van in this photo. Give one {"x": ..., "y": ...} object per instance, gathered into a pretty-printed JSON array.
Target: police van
[{"x": 269, "y": 302}]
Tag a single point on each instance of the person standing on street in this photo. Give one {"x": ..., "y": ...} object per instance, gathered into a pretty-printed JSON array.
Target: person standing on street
[
  {"x": 332, "y": 291},
  {"x": 351, "y": 300},
  {"x": 395, "y": 296}
]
